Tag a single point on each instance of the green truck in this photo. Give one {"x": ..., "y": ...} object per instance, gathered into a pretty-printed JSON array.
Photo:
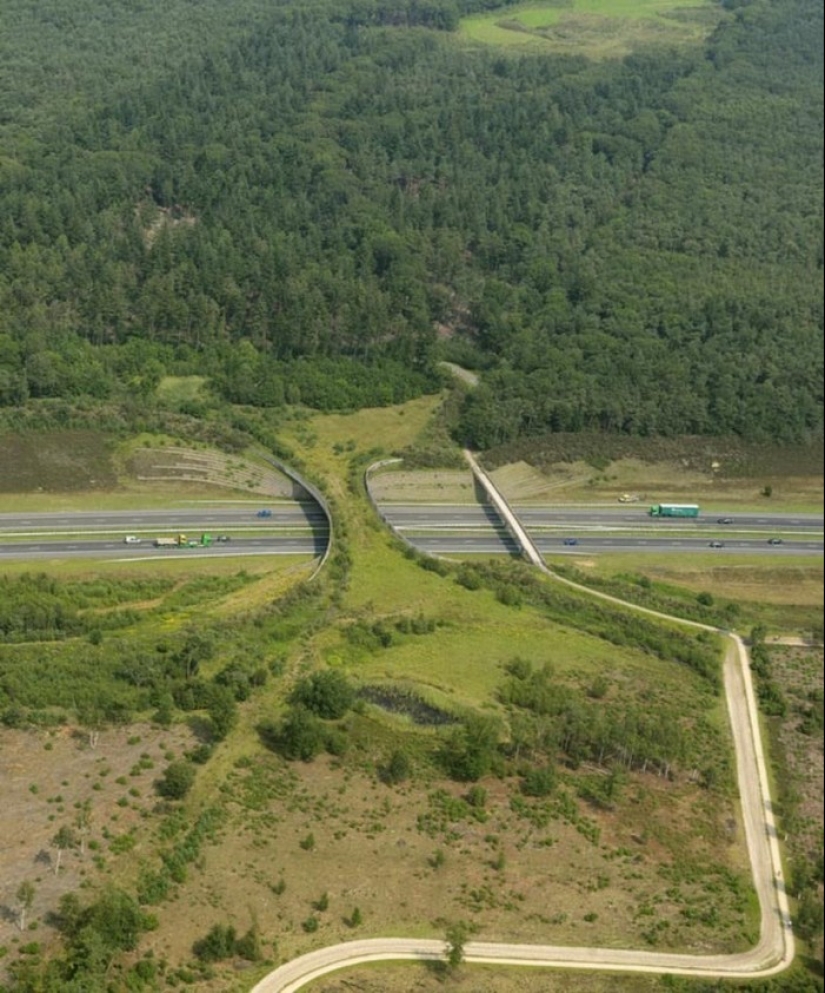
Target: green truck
[{"x": 674, "y": 510}]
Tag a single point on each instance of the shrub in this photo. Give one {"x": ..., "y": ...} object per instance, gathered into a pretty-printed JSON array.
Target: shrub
[
  {"x": 177, "y": 780},
  {"x": 540, "y": 781},
  {"x": 326, "y": 694},
  {"x": 248, "y": 946},
  {"x": 300, "y": 735},
  {"x": 218, "y": 944},
  {"x": 397, "y": 768}
]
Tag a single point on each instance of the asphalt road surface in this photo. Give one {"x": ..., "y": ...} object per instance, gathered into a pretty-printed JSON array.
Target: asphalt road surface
[
  {"x": 460, "y": 515},
  {"x": 143, "y": 522},
  {"x": 500, "y": 543},
  {"x": 478, "y": 529},
  {"x": 276, "y": 544},
  {"x": 301, "y": 528},
  {"x": 289, "y": 529}
]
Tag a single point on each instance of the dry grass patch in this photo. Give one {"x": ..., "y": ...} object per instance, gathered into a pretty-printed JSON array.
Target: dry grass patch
[
  {"x": 337, "y": 831},
  {"x": 210, "y": 468},
  {"x": 799, "y": 672},
  {"x": 800, "y": 585},
  {"x": 48, "y": 777},
  {"x": 72, "y": 471},
  {"x": 423, "y": 486},
  {"x": 332, "y": 438},
  {"x": 33, "y": 463},
  {"x": 522, "y": 483},
  {"x": 796, "y": 582},
  {"x": 411, "y": 978},
  {"x": 273, "y": 583}
]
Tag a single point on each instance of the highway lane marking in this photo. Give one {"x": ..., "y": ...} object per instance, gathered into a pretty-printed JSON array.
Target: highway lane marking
[{"x": 148, "y": 535}]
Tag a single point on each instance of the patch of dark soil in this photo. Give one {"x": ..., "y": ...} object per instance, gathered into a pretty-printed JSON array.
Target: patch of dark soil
[{"x": 406, "y": 702}]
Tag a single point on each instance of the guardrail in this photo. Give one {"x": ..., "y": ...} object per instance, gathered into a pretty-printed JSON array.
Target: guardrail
[
  {"x": 511, "y": 522},
  {"x": 312, "y": 491}
]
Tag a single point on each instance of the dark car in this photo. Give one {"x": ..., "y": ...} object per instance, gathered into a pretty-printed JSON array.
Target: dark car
[
  {"x": 725, "y": 520},
  {"x": 774, "y": 541},
  {"x": 571, "y": 541},
  {"x": 223, "y": 537},
  {"x": 717, "y": 544},
  {"x": 264, "y": 513}
]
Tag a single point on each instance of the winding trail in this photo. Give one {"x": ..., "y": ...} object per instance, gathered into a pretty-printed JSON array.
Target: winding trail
[{"x": 773, "y": 952}]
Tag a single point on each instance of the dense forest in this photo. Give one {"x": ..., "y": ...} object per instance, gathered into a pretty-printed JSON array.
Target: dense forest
[{"x": 315, "y": 202}]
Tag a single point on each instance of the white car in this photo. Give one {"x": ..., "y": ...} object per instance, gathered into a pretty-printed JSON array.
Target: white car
[{"x": 131, "y": 539}]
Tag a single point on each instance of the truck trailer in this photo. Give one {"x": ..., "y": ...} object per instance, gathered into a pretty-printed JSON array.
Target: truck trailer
[
  {"x": 674, "y": 510},
  {"x": 181, "y": 541}
]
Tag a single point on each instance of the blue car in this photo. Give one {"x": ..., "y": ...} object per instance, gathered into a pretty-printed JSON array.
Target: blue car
[
  {"x": 264, "y": 513},
  {"x": 571, "y": 541}
]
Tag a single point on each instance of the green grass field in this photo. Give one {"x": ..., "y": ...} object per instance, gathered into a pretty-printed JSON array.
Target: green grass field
[
  {"x": 594, "y": 28},
  {"x": 180, "y": 389}
]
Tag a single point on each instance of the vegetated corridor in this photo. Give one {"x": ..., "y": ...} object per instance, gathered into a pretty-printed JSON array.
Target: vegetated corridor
[{"x": 773, "y": 952}]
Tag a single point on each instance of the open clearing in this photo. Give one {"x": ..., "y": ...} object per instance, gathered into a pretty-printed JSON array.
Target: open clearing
[
  {"x": 790, "y": 584},
  {"x": 50, "y": 777},
  {"x": 800, "y": 673},
  {"x": 410, "y": 858},
  {"x": 598, "y": 29}
]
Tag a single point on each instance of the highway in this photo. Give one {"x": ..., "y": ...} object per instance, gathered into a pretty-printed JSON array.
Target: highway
[
  {"x": 142, "y": 522},
  {"x": 500, "y": 543},
  {"x": 537, "y": 518},
  {"x": 439, "y": 529},
  {"x": 290, "y": 529},
  {"x": 301, "y": 528},
  {"x": 270, "y": 544}
]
